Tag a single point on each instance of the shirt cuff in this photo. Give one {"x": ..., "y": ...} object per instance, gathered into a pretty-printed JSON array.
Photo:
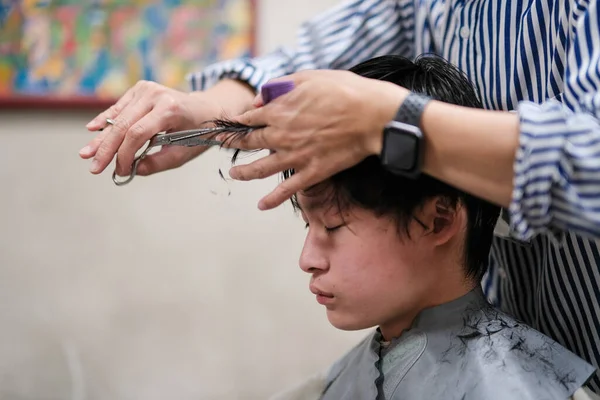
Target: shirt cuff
[
  {"x": 536, "y": 171},
  {"x": 241, "y": 69}
]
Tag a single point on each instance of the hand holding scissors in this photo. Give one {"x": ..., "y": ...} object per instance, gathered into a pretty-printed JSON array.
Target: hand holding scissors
[{"x": 197, "y": 137}]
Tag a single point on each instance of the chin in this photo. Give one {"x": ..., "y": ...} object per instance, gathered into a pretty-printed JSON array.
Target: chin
[{"x": 347, "y": 322}]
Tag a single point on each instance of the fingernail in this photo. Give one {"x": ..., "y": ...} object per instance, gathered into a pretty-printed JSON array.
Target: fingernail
[
  {"x": 90, "y": 124},
  {"x": 233, "y": 174},
  {"x": 95, "y": 166},
  {"x": 85, "y": 150},
  {"x": 262, "y": 206}
]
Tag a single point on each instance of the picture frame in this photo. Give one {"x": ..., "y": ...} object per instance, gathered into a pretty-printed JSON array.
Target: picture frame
[{"x": 86, "y": 54}]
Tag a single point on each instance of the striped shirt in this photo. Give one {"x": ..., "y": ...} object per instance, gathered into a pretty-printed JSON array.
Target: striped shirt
[{"x": 540, "y": 58}]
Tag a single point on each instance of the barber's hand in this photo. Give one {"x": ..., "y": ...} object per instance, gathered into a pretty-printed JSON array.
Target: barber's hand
[
  {"x": 149, "y": 108},
  {"x": 331, "y": 121},
  {"x": 143, "y": 111}
]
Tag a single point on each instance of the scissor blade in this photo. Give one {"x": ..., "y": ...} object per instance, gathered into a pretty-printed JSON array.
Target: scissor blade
[
  {"x": 196, "y": 141},
  {"x": 192, "y": 137},
  {"x": 195, "y": 138},
  {"x": 198, "y": 137}
]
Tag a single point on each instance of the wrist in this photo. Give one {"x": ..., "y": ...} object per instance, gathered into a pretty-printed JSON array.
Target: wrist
[
  {"x": 389, "y": 99},
  {"x": 227, "y": 98},
  {"x": 403, "y": 143}
]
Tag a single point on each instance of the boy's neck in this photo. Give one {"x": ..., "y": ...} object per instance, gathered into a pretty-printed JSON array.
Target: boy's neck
[{"x": 395, "y": 328}]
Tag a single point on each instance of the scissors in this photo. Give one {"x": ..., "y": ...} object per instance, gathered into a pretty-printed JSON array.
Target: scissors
[{"x": 197, "y": 137}]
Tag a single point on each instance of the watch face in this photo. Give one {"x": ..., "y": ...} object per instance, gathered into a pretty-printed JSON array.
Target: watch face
[
  {"x": 401, "y": 147},
  {"x": 402, "y": 151}
]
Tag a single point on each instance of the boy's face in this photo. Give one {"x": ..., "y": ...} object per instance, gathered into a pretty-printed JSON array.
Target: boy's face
[{"x": 363, "y": 271}]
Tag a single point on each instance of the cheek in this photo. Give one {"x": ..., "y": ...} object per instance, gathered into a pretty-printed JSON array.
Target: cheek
[
  {"x": 353, "y": 263},
  {"x": 376, "y": 271},
  {"x": 375, "y": 278},
  {"x": 391, "y": 258}
]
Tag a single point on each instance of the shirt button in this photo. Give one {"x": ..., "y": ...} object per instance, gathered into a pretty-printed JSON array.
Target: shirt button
[{"x": 464, "y": 32}]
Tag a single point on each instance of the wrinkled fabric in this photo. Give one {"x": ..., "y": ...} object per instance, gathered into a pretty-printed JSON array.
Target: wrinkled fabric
[{"x": 464, "y": 349}]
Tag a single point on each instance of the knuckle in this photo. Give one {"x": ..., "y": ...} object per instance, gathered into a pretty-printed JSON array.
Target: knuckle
[
  {"x": 159, "y": 89},
  {"x": 285, "y": 190},
  {"x": 113, "y": 110},
  {"x": 261, "y": 172},
  {"x": 103, "y": 152},
  {"x": 170, "y": 104},
  {"x": 148, "y": 87},
  {"x": 286, "y": 140},
  {"x": 122, "y": 125},
  {"x": 153, "y": 87},
  {"x": 142, "y": 83},
  {"x": 137, "y": 131},
  {"x": 257, "y": 136},
  {"x": 97, "y": 141}
]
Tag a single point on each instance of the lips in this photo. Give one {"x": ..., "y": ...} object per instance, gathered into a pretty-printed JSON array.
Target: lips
[{"x": 316, "y": 291}]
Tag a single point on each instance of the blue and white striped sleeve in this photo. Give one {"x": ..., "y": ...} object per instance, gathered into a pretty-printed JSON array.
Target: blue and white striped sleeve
[
  {"x": 345, "y": 35},
  {"x": 557, "y": 167}
]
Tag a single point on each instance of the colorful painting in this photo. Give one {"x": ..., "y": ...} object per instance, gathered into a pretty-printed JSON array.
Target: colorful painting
[{"x": 97, "y": 49}]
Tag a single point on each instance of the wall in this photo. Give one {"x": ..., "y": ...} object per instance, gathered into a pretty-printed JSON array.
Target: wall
[{"x": 170, "y": 288}]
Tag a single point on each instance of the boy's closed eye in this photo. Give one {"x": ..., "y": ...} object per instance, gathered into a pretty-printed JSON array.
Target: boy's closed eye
[{"x": 327, "y": 228}]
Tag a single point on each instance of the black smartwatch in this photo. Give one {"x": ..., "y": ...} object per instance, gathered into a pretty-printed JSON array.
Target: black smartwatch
[{"x": 402, "y": 151}]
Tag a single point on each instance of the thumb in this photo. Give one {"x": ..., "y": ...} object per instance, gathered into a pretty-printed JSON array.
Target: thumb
[{"x": 255, "y": 118}]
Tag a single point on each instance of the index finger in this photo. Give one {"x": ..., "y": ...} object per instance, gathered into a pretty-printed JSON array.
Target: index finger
[
  {"x": 136, "y": 136},
  {"x": 111, "y": 143},
  {"x": 99, "y": 122},
  {"x": 301, "y": 180}
]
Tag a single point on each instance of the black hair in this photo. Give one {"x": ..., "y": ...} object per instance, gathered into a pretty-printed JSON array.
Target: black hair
[{"x": 370, "y": 186}]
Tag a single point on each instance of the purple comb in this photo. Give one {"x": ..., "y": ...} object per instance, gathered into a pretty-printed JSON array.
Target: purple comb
[{"x": 271, "y": 91}]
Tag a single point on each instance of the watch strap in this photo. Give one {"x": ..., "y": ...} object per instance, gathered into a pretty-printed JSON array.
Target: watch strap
[
  {"x": 402, "y": 150},
  {"x": 412, "y": 108}
]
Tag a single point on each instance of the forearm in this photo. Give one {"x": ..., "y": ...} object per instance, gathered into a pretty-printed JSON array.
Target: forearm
[
  {"x": 473, "y": 150},
  {"x": 541, "y": 163},
  {"x": 227, "y": 98},
  {"x": 544, "y": 161}
]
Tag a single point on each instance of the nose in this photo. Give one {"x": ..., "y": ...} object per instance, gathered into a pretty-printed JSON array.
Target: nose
[{"x": 314, "y": 257}]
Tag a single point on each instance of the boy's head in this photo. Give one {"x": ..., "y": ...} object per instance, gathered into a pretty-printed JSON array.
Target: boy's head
[{"x": 380, "y": 247}]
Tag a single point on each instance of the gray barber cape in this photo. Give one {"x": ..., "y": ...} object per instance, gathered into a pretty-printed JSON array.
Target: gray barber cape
[{"x": 460, "y": 350}]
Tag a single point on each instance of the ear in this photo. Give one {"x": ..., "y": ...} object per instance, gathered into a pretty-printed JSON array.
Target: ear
[{"x": 442, "y": 220}]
